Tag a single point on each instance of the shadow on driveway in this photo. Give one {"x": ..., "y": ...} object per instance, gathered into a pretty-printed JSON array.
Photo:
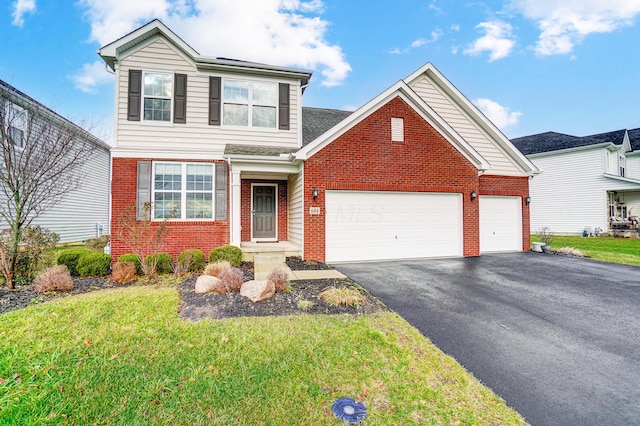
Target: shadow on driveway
[{"x": 557, "y": 337}]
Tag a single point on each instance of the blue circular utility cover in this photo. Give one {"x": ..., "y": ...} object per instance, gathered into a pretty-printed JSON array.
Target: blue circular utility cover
[{"x": 348, "y": 410}]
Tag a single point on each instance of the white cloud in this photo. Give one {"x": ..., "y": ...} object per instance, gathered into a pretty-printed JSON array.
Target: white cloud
[
  {"x": 499, "y": 115},
  {"x": 497, "y": 40},
  {"x": 565, "y": 23},
  {"x": 91, "y": 76},
  {"x": 20, "y": 7},
  {"x": 279, "y": 32},
  {"x": 419, "y": 42}
]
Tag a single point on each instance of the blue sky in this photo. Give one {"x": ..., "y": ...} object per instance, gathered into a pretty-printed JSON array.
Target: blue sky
[{"x": 531, "y": 65}]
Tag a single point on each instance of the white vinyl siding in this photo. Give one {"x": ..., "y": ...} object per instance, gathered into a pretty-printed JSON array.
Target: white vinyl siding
[
  {"x": 197, "y": 136},
  {"x": 296, "y": 209},
  {"x": 375, "y": 225},
  {"x": 436, "y": 98},
  {"x": 633, "y": 166},
  {"x": 571, "y": 192}
]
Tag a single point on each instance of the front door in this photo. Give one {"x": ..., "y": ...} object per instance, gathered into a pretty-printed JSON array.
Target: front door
[{"x": 264, "y": 225}]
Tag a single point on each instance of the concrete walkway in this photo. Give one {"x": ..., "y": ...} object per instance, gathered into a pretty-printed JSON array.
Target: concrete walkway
[{"x": 263, "y": 264}]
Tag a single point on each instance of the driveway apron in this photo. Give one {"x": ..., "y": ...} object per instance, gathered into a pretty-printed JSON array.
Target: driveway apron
[{"x": 557, "y": 337}]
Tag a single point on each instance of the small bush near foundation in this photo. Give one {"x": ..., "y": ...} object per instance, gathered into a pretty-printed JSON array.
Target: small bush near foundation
[
  {"x": 279, "y": 278},
  {"x": 94, "y": 264},
  {"x": 232, "y": 254},
  {"x": 342, "y": 296},
  {"x": 123, "y": 272},
  {"x": 71, "y": 257},
  {"x": 135, "y": 259},
  {"x": 55, "y": 278},
  {"x": 191, "y": 260},
  {"x": 232, "y": 279},
  {"x": 163, "y": 263},
  {"x": 305, "y": 305},
  {"x": 215, "y": 268},
  {"x": 97, "y": 244}
]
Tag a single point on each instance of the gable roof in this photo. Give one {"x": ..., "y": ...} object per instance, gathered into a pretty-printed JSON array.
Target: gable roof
[
  {"x": 120, "y": 48},
  {"x": 552, "y": 141},
  {"x": 418, "y": 104}
]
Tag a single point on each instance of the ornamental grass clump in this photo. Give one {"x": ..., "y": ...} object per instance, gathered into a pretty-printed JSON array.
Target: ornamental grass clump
[
  {"x": 123, "y": 272},
  {"x": 55, "y": 278},
  {"x": 570, "y": 251},
  {"x": 214, "y": 269},
  {"x": 342, "y": 296},
  {"x": 279, "y": 278},
  {"x": 232, "y": 279}
]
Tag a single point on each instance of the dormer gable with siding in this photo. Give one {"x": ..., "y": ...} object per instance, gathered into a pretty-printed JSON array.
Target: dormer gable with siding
[
  {"x": 173, "y": 102},
  {"x": 469, "y": 122}
]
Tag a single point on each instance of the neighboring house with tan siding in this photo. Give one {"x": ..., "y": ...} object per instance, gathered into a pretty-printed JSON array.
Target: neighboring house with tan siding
[{"x": 225, "y": 152}]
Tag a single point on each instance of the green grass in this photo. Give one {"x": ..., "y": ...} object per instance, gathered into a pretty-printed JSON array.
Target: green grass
[
  {"x": 124, "y": 357},
  {"x": 607, "y": 249}
]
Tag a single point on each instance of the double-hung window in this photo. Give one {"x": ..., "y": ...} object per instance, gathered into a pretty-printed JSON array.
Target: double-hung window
[
  {"x": 183, "y": 190},
  {"x": 157, "y": 94},
  {"x": 249, "y": 104},
  {"x": 622, "y": 164},
  {"x": 16, "y": 124}
]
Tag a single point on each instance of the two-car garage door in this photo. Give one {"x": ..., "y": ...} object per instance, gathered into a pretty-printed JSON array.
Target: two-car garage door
[{"x": 376, "y": 225}]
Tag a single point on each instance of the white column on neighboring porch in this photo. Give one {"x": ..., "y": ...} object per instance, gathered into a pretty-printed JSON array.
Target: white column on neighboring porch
[{"x": 235, "y": 208}]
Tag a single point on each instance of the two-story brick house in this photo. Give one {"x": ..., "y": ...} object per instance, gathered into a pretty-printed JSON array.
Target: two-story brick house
[{"x": 226, "y": 149}]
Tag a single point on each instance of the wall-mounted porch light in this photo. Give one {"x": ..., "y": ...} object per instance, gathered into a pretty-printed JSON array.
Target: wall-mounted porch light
[
  {"x": 527, "y": 200},
  {"x": 474, "y": 195},
  {"x": 314, "y": 194}
]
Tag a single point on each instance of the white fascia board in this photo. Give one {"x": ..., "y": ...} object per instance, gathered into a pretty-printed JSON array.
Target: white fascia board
[
  {"x": 607, "y": 145},
  {"x": 165, "y": 155},
  {"x": 264, "y": 167},
  {"x": 623, "y": 179},
  {"x": 521, "y": 161},
  {"x": 427, "y": 113}
]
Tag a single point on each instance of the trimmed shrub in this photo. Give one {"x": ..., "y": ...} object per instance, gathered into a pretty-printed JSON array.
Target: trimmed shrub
[
  {"x": 279, "y": 278},
  {"x": 163, "y": 263},
  {"x": 97, "y": 244},
  {"x": 232, "y": 279},
  {"x": 123, "y": 272},
  {"x": 191, "y": 260},
  {"x": 70, "y": 258},
  {"x": 94, "y": 265},
  {"x": 215, "y": 268},
  {"x": 135, "y": 259},
  {"x": 232, "y": 254},
  {"x": 55, "y": 278}
]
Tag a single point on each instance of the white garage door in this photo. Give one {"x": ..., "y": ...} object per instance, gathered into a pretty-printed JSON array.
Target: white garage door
[
  {"x": 374, "y": 225},
  {"x": 500, "y": 223}
]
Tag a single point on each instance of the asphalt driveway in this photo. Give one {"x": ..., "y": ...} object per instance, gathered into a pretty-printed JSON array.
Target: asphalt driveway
[{"x": 557, "y": 337}]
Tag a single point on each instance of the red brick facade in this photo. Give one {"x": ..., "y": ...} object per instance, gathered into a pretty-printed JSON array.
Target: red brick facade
[
  {"x": 181, "y": 235},
  {"x": 365, "y": 158},
  {"x": 245, "y": 208},
  {"x": 510, "y": 186}
]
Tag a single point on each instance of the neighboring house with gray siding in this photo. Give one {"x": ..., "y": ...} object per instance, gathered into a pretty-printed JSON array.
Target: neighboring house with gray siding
[
  {"x": 586, "y": 182},
  {"x": 83, "y": 213}
]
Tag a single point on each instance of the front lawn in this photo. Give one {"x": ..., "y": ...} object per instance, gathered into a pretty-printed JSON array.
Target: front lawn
[
  {"x": 606, "y": 249},
  {"x": 123, "y": 356}
]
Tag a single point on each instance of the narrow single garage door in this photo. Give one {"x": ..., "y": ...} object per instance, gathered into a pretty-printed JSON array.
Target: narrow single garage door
[
  {"x": 374, "y": 225},
  {"x": 500, "y": 223}
]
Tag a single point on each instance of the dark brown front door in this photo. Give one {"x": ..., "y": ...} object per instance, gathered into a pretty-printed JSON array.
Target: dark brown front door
[{"x": 264, "y": 213}]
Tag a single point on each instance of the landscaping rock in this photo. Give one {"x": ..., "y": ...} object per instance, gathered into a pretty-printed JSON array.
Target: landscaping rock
[
  {"x": 208, "y": 284},
  {"x": 257, "y": 291}
]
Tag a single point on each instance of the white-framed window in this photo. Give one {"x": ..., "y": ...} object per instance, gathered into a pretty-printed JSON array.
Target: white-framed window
[
  {"x": 157, "y": 96},
  {"x": 16, "y": 124},
  {"x": 183, "y": 191},
  {"x": 249, "y": 103},
  {"x": 622, "y": 164}
]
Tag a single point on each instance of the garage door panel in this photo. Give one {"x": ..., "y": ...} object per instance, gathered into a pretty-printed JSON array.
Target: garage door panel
[
  {"x": 500, "y": 223},
  {"x": 363, "y": 225}
]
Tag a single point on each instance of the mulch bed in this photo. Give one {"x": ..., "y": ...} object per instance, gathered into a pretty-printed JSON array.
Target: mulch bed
[{"x": 195, "y": 307}]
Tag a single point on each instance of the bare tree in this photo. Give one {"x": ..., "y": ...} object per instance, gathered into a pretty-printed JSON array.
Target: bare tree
[{"x": 42, "y": 158}]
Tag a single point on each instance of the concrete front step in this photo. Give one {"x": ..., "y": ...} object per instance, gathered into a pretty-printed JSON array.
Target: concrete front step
[{"x": 250, "y": 250}]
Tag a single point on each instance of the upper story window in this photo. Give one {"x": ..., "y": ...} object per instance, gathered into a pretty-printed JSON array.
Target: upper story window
[
  {"x": 622, "y": 164},
  {"x": 249, "y": 104},
  {"x": 157, "y": 96},
  {"x": 16, "y": 122}
]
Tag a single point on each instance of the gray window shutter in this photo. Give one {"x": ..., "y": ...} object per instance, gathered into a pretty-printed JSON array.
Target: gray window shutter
[
  {"x": 180, "y": 99},
  {"x": 214, "y": 100},
  {"x": 144, "y": 189},
  {"x": 221, "y": 191},
  {"x": 134, "y": 95},
  {"x": 283, "y": 95}
]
